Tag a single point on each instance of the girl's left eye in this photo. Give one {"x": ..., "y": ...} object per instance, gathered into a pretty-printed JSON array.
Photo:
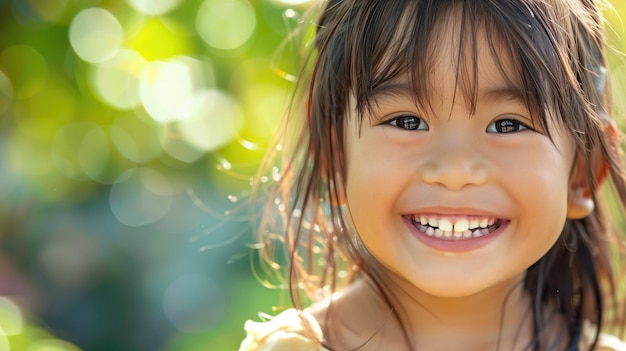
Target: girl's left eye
[
  {"x": 506, "y": 125},
  {"x": 408, "y": 122}
]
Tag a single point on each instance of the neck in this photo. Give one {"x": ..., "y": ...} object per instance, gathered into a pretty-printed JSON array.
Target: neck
[{"x": 499, "y": 318}]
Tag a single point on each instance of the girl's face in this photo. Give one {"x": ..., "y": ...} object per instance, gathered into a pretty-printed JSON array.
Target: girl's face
[{"x": 451, "y": 203}]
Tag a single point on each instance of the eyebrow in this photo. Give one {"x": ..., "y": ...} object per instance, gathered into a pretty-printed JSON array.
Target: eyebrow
[
  {"x": 498, "y": 94},
  {"x": 392, "y": 89},
  {"x": 504, "y": 94}
]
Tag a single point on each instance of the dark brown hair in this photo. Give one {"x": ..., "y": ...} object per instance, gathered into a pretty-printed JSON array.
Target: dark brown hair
[{"x": 360, "y": 46}]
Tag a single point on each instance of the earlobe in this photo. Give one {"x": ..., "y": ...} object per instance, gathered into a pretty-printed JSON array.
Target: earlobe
[
  {"x": 579, "y": 198},
  {"x": 580, "y": 203}
]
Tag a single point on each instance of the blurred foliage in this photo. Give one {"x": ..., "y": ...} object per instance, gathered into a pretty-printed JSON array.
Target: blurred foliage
[{"x": 130, "y": 131}]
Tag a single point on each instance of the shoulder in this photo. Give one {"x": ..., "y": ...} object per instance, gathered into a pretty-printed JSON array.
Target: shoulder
[
  {"x": 302, "y": 330},
  {"x": 288, "y": 331},
  {"x": 606, "y": 342}
]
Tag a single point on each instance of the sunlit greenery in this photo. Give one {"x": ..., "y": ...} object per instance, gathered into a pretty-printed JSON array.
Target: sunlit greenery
[{"x": 131, "y": 131}]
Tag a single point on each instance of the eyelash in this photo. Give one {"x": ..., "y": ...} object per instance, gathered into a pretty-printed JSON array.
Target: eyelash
[
  {"x": 501, "y": 126},
  {"x": 506, "y": 125},
  {"x": 408, "y": 122}
]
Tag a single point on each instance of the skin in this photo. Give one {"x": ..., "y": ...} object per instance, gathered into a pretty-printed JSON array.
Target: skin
[{"x": 457, "y": 165}]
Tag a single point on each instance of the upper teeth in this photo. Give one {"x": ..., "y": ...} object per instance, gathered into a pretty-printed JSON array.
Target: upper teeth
[{"x": 458, "y": 225}]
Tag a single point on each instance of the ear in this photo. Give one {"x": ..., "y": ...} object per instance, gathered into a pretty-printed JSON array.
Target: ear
[
  {"x": 579, "y": 203},
  {"x": 580, "y": 199}
]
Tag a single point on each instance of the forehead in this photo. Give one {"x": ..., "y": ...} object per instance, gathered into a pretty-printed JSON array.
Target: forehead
[
  {"x": 465, "y": 56},
  {"x": 474, "y": 65}
]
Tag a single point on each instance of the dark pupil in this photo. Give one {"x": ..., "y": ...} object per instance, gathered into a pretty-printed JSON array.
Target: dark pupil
[
  {"x": 506, "y": 126},
  {"x": 409, "y": 122}
]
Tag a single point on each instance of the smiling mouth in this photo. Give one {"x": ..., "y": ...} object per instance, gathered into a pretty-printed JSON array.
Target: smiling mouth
[{"x": 459, "y": 228}]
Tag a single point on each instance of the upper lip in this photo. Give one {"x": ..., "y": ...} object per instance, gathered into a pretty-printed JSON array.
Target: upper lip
[{"x": 451, "y": 212}]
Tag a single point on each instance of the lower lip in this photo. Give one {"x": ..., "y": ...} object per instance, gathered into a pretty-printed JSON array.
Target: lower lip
[{"x": 454, "y": 245}]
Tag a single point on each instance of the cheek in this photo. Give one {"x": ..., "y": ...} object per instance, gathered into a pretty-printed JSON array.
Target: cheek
[
  {"x": 538, "y": 178},
  {"x": 373, "y": 172},
  {"x": 360, "y": 198},
  {"x": 369, "y": 184}
]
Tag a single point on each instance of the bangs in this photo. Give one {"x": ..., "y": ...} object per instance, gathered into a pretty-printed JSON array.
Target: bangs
[
  {"x": 522, "y": 44},
  {"x": 549, "y": 55}
]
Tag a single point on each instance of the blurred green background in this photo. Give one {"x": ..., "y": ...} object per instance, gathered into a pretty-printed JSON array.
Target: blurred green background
[{"x": 130, "y": 132}]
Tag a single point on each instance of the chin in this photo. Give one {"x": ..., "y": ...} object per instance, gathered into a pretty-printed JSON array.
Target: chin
[
  {"x": 451, "y": 291},
  {"x": 466, "y": 287}
]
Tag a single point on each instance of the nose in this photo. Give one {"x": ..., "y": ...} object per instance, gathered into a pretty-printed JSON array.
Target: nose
[{"x": 455, "y": 164}]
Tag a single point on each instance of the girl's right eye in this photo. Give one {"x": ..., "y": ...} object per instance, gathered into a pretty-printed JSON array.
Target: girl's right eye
[{"x": 408, "y": 122}]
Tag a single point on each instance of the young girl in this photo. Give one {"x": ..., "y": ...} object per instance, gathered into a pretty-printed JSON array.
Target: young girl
[{"x": 444, "y": 190}]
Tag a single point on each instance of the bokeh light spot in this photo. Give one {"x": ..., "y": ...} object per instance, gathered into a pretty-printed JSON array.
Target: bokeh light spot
[
  {"x": 96, "y": 35},
  {"x": 265, "y": 104},
  {"x": 135, "y": 139},
  {"x": 26, "y": 69},
  {"x": 141, "y": 196},
  {"x": 213, "y": 119},
  {"x": 117, "y": 80},
  {"x": 4, "y": 342},
  {"x": 193, "y": 303},
  {"x": 160, "y": 39},
  {"x": 226, "y": 24},
  {"x": 176, "y": 145},
  {"x": 153, "y": 7},
  {"x": 11, "y": 320},
  {"x": 167, "y": 86}
]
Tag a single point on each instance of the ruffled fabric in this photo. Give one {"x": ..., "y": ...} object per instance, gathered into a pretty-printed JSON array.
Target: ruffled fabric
[
  {"x": 287, "y": 332},
  {"x": 284, "y": 332}
]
